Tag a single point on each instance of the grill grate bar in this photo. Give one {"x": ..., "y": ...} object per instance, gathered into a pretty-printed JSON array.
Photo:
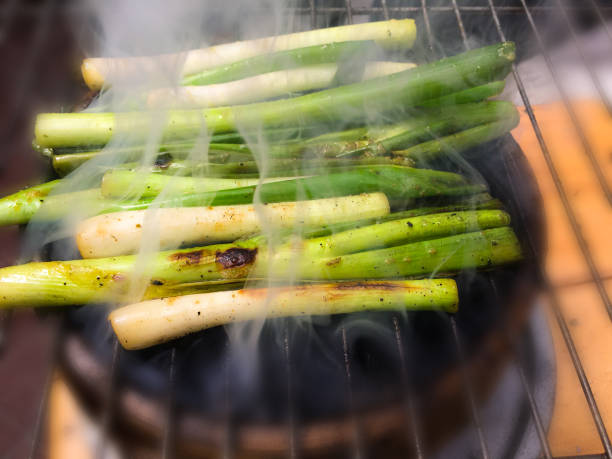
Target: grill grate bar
[
  {"x": 109, "y": 400},
  {"x": 441, "y": 9},
  {"x": 383, "y": 4},
  {"x": 460, "y": 24},
  {"x": 58, "y": 336},
  {"x": 533, "y": 407},
  {"x": 587, "y": 63},
  {"x": 169, "y": 424},
  {"x": 313, "y": 13},
  {"x": 78, "y": 8},
  {"x": 349, "y": 11},
  {"x": 293, "y": 436},
  {"x": 577, "y": 124},
  {"x": 411, "y": 411},
  {"x": 358, "y": 446},
  {"x": 588, "y": 393},
  {"x": 577, "y": 282},
  {"x": 469, "y": 393},
  {"x": 601, "y": 18},
  {"x": 424, "y": 12}
]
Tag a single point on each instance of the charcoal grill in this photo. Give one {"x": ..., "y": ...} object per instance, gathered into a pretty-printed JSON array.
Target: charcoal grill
[{"x": 489, "y": 21}]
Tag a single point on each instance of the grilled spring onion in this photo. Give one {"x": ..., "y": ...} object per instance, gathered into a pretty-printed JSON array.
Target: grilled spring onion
[
  {"x": 482, "y": 201},
  {"x": 265, "y": 86},
  {"x": 387, "y": 34},
  {"x": 401, "y": 231},
  {"x": 330, "y": 53},
  {"x": 64, "y": 164},
  {"x": 390, "y": 94},
  {"x": 156, "y": 321},
  {"x": 118, "y": 183},
  {"x": 310, "y": 134},
  {"x": 121, "y": 233},
  {"x": 121, "y": 183},
  {"x": 435, "y": 149},
  {"x": 433, "y": 257},
  {"x": 65, "y": 160},
  {"x": 423, "y": 127},
  {"x": 17, "y": 208},
  {"x": 270, "y": 135},
  {"x": 21, "y": 207},
  {"x": 172, "y": 273},
  {"x": 401, "y": 184}
]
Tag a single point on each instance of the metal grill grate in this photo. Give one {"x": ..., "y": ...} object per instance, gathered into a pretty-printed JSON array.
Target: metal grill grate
[{"x": 44, "y": 13}]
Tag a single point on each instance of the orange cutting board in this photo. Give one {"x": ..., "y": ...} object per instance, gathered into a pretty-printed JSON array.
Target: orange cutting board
[{"x": 572, "y": 430}]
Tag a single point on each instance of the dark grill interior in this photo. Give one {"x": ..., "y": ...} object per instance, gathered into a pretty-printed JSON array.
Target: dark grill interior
[{"x": 38, "y": 41}]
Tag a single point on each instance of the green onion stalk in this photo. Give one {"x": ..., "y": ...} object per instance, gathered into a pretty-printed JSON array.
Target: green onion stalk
[
  {"x": 61, "y": 283},
  {"x": 390, "y": 94},
  {"x": 281, "y": 60},
  {"x": 391, "y": 35},
  {"x": 170, "y": 318},
  {"x": 402, "y": 185},
  {"x": 433, "y": 150}
]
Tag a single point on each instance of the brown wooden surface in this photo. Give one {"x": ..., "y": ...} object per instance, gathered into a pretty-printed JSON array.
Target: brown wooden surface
[{"x": 572, "y": 430}]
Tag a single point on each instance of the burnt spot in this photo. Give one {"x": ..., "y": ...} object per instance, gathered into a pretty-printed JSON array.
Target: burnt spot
[
  {"x": 409, "y": 224},
  {"x": 334, "y": 261},
  {"x": 235, "y": 257},
  {"x": 164, "y": 160},
  {"x": 156, "y": 282},
  {"x": 188, "y": 258},
  {"x": 368, "y": 286}
]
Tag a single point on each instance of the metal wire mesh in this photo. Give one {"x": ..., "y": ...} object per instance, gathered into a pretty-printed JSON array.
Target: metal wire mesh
[{"x": 316, "y": 11}]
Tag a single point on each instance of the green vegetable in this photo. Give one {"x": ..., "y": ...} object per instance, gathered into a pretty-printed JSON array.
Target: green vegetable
[
  {"x": 390, "y": 95},
  {"x": 19, "y": 207},
  {"x": 402, "y": 185},
  {"x": 122, "y": 183},
  {"x": 435, "y": 149},
  {"x": 170, "y": 318},
  {"x": 286, "y": 59},
  {"x": 392, "y": 34},
  {"x": 60, "y": 283}
]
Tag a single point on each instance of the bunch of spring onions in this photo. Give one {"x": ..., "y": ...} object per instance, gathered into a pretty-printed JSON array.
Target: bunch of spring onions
[{"x": 319, "y": 177}]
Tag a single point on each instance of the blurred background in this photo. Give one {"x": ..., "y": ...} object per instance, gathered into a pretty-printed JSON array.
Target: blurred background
[{"x": 564, "y": 87}]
